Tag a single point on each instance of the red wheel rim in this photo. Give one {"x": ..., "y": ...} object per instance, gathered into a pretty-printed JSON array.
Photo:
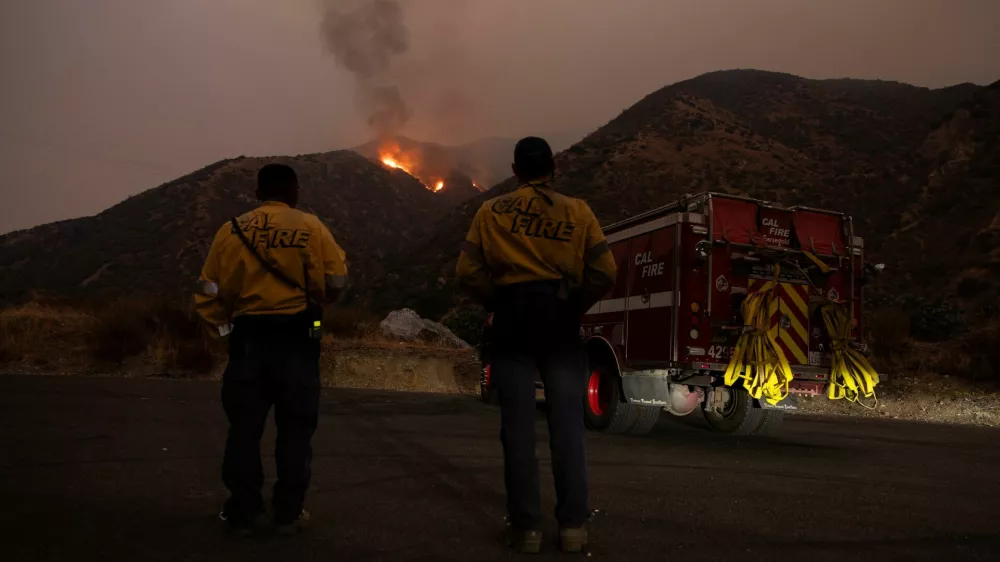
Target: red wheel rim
[{"x": 594, "y": 394}]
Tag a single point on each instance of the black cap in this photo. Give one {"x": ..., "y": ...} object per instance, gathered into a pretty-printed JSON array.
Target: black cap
[
  {"x": 278, "y": 182},
  {"x": 533, "y": 158}
]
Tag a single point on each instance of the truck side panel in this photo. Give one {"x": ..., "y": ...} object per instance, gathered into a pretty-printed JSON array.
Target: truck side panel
[
  {"x": 694, "y": 329},
  {"x": 607, "y": 317},
  {"x": 649, "y": 307}
]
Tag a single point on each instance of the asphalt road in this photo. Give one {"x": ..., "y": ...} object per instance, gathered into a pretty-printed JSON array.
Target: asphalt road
[{"x": 115, "y": 469}]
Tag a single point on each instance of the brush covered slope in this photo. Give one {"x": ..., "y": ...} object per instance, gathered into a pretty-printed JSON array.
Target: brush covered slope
[
  {"x": 155, "y": 242},
  {"x": 891, "y": 154}
]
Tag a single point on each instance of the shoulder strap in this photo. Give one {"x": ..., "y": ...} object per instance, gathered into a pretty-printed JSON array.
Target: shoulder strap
[
  {"x": 281, "y": 275},
  {"x": 535, "y": 187}
]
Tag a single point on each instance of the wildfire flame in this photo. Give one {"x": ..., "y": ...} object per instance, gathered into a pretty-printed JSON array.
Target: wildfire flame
[
  {"x": 391, "y": 162},
  {"x": 392, "y": 157}
]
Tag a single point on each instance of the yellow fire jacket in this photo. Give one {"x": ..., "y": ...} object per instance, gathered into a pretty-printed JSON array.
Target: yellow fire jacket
[
  {"x": 536, "y": 234},
  {"x": 234, "y": 283}
]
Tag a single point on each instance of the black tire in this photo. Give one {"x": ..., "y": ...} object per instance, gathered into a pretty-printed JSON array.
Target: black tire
[
  {"x": 604, "y": 410},
  {"x": 739, "y": 417},
  {"x": 646, "y": 419},
  {"x": 770, "y": 424}
]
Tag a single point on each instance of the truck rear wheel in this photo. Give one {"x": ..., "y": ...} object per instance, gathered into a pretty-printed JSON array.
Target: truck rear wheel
[
  {"x": 645, "y": 419},
  {"x": 737, "y": 416},
  {"x": 603, "y": 407},
  {"x": 772, "y": 420}
]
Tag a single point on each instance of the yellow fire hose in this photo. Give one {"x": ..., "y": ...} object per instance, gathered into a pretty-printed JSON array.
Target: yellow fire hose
[
  {"x": 757, "y": 359},
  {"x": 851, "y": 375},
  {"x": 765, "y": 371}
]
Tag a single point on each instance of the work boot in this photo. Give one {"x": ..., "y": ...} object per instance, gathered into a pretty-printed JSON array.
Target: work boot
[
  {"x": 572, "y": 539},
  {"x": 300, "y": 523},
  {"x": 525, "y": 541},
  {"x": 242, "y": 529}
]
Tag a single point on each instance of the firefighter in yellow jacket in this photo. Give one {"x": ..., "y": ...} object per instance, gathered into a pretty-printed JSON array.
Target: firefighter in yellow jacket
[
  {"x": 263, "y": 286},
  {"x": 539, "y": 260}
]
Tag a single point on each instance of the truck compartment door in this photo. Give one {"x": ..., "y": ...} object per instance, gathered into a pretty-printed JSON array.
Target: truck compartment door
[
  {"x": 788, "y": 315},
  {"x": 651, "y": 296}
]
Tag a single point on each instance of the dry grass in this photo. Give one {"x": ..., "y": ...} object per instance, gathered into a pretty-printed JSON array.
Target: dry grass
[
  {"x": 387, "y": 366},
  {"x": 119, "y": 335},
  {"x": 37, "y": 335},
  {"x": 953, "y": 382},
  {"x": 351, "y": 323},
  {"x": 974, "y": 355},
  {"x": 932, "y": 398},
  {"x": 138, "y": 337}
]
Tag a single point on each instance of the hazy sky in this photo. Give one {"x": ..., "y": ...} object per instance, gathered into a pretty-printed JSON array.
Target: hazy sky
[{"x": 106, "y": 98}]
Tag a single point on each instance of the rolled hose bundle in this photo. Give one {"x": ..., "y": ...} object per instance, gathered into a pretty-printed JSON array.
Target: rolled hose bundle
[
  {"x": 851, "y": 375},
  {"x": 757, "y": 359}
]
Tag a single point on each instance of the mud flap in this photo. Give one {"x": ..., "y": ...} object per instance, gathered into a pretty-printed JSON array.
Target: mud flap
[
  {"x": 647, "y": 389},
  {"x": 788, "y": 404}
]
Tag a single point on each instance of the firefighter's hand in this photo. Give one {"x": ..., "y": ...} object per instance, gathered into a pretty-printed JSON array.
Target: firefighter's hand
[{"x": 218, "y": 333}]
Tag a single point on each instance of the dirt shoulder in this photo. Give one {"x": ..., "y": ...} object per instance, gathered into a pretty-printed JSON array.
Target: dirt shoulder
[
  {"x": 46, "y": 341},
  {"x": 390, "y": 366},
  {"x": 373, "y": 365},
  {"x": 931, "y": 398}
]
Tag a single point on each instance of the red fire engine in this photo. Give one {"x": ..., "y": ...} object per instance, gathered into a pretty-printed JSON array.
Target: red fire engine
[{"x": 662, "y": 339}]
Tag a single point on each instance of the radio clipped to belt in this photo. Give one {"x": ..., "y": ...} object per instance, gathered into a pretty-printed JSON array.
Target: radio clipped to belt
[
  {"x": 314, "y": 314},
  {"x": 314, "y": 311}
]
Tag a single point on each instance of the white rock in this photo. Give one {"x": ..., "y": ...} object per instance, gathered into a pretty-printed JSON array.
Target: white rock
[{"x": 407, "y": 325}]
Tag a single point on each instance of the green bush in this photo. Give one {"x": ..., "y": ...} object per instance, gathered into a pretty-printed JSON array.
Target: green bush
[
  {"x": 937, "y": 322},
  {"x": 466, "y": 323},
  {"x": 930, "y": 320}
]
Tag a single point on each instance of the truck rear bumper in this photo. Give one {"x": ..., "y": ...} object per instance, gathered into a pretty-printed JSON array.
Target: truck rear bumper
[{"x": 801, "y": 372}]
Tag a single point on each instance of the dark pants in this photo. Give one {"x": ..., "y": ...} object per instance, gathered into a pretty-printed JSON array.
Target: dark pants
[
  {"x": 540, "y": 334},
  {"x": 271, "y": 362}
]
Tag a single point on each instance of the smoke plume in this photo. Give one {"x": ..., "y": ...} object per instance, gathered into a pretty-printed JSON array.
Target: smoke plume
[{"x": 364, "y": 36}]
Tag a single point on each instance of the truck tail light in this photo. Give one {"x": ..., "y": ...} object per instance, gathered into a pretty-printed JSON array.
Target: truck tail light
[
  {"x": 695, "y": 307},
  {"x": 693, "y": 333}
]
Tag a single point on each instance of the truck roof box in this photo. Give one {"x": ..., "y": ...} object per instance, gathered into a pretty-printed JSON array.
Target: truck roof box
[{"x": 747, "y": 221}]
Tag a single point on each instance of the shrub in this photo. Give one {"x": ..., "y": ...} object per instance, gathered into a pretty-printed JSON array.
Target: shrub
[
  {"x": 196, "y": 357},
  {"x": 162, "y": 333},
  {"x": 889, "y": 329},
  {"x": 969, "y": 287},
  {"x": 931, "y": 321},
  {"x": 21, "y": 334},
  {"x": 983, "y": 347},
  {"x": 120, "y": 332},
  {"x": 434, "y": 303},
  {"x": 170, "y": 333},
  {"x": 937, "y": 322},
  {"x": 466, "y": 323},
  {"x": 350, "y": 322}
]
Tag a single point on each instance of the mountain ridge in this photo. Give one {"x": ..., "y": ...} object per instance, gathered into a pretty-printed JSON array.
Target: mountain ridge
[
  {"x": 848, "y": 145},
  {"x": 156, "y": 241}
]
